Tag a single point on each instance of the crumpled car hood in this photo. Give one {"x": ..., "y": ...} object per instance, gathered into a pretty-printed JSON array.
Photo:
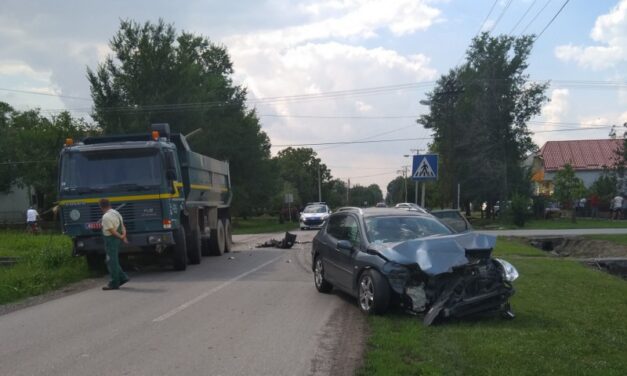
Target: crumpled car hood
[{"x": 436, "y": 255}]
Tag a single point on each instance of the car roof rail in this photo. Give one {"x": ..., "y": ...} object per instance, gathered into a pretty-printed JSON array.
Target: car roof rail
[{"x": 350, "y": 208}]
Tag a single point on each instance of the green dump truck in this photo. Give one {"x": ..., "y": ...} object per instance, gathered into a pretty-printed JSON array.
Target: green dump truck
[{"x": 174, "y": 202}]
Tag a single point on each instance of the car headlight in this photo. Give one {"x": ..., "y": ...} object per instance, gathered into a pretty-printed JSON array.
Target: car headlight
[
  {"x": 324, "y": 217},
  {"x": 510, "y": 274}
]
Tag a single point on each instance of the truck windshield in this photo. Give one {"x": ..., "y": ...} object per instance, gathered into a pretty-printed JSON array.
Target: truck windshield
[{"x": 111, "y": 170}]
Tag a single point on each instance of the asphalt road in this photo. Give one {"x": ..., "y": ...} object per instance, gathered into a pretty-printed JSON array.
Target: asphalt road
[{"x": 256, "y": 314}]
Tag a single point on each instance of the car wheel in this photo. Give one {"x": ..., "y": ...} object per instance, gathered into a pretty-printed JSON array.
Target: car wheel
[
  {"x": 374, "y": 293},
  {"x": 322, "y": 285}
]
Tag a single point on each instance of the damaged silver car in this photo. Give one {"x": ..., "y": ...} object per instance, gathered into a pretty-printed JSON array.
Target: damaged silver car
[{"x": 413, "y": 260}]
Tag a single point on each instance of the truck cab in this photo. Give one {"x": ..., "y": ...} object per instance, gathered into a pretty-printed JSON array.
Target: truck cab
[{"x": 173, "y": 201}]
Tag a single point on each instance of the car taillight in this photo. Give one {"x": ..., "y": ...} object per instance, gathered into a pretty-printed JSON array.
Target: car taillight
[{"x": 167, "y": 223}]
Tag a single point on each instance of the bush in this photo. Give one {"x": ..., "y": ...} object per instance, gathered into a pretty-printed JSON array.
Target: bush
[{"x": 518, "y": 209}]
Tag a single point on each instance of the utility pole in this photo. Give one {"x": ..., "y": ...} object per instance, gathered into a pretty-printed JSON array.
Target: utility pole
[
  {"x": 319, "y": 186},
  {"x": 348, "y": 193}
]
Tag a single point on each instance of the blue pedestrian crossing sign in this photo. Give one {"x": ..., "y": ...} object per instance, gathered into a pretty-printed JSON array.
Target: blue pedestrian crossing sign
[{"x": 425, "y": 167}]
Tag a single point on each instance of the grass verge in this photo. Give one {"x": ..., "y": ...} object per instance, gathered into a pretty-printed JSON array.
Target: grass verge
[
  {"x": 570, "y": 321},
  {"x": 618, "y": 239},
  {"x": 550, "y": 224},
  {"x": 45, "y": 263},
  {"x": 259, "y": 225}
]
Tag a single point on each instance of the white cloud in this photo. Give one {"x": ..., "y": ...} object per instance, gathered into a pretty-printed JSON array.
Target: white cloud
[
  {"x": 610, "y": 33},
  {"x": 358, "y": 19},
  {"x": 557, "y": 106},
  {"x": 17, "y": 68}
]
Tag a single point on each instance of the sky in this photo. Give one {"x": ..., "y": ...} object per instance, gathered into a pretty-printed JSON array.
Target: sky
[{"x": 358, "y": 68}]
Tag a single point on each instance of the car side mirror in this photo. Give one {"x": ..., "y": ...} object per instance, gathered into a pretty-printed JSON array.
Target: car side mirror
[{"x": 345, "y": 245}]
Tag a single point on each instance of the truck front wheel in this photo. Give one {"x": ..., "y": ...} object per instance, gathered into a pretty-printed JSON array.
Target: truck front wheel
[
  {"x": 95, "y": 262},
  {"x": 216, "y": 242},
  {"x": 179, "y": 256}
]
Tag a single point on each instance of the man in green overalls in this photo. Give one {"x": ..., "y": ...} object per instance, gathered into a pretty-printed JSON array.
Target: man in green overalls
[{"x": 114, "y": 234}]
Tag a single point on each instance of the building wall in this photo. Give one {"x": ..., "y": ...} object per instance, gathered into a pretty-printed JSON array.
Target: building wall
[
  {"x": 588, "y": 177},
  {"x": 13, "y": 205}
]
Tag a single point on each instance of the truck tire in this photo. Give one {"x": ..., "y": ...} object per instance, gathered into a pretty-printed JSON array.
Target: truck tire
[
  {"x": 205, "y": 247},
  {"x": 179, "y": 256},
  {"x": 216, "y": 242},
  {"x": 95, "y": 262},
  {"x": 228, "y": 236},
  {"x": 194, "y": 246}
]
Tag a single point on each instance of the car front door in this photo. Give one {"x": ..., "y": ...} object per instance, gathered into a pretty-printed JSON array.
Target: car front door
[{"x": 344, "y": 227}]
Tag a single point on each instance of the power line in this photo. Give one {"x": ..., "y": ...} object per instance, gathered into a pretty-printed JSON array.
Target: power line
[
  {"x": 480, "y": 28},
  {"x": 351, "y": 142},
  {"x": 534, "y": 17},
  {"x": 373, "y": 136},
  {"x": 486, "y": 18},
  {"x": 552, "y": 19},
  {"x": 45, "y": 94},
  {"x": 509, "y": 2},
  {"x": 523, "y": 16}
]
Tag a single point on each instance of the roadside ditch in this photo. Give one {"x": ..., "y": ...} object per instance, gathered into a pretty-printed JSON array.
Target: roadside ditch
[{"x": 604, "y": 255}]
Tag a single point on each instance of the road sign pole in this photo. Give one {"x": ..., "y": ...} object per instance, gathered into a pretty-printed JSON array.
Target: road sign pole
[
  {"x": 422, "y": 197},
  {"x": 416, "y": 192}
]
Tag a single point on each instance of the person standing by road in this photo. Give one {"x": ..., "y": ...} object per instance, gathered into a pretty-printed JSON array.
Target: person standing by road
[
  {"x": 32, "y": 216},
  {"x": 594, "y": 205},
  {"x": 617, "y": 204},
  {"x": 114, "y": 233}
]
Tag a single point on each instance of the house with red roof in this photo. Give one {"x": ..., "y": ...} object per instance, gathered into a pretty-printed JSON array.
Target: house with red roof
[{"x": 588, "y": 159}]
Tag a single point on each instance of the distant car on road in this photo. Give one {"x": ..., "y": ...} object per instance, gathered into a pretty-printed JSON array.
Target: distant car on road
[
  {"x": 411, "y": 206},
  {"x": 384, "y": 256},
  {"x": 551, "y": 210},
  {"x": 314, "y": 215},
  {"x": 380, "y": 205}
]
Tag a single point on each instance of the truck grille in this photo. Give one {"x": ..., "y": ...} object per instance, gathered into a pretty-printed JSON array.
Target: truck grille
[{"x": 132, "y": 212}]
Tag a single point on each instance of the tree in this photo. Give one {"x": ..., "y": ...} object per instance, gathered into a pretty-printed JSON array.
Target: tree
[
  {"x": 605, "y": 186},
  {"x": 365, "y": 196},
  {"x": 30, "y": 146},
  {"x": 478, "y": 115},
  {"x": 568, "y": 188},
  {"x": 157, "y": 75},
  {"x": 300, "y": 168}
]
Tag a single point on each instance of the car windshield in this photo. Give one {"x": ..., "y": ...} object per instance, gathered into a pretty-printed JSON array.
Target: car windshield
[
  {"x": 110, "y": 170},
  {"x": 315, "y": 209},
  {"x": 392, "y": 229}
]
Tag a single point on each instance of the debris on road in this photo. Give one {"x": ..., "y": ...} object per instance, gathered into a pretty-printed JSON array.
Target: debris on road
[
  {"x": 286, "y": 243},
  {"x": 231, "y": 258}
]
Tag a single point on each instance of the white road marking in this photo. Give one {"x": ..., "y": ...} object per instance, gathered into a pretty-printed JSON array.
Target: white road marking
[{"x": 213, "y": 290}]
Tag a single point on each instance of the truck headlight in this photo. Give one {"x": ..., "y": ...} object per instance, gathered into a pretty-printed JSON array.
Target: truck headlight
[
  {"x": 510, "y": 274},
  {"x": 75, "y": 215}
]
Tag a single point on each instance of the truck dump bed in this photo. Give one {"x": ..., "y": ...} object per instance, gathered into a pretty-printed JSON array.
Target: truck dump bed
[{"x": 206, "y": 181}]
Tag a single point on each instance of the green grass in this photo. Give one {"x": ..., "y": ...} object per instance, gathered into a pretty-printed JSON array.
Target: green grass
[
  {"x": 570, "y": 321},
  {"x": 258, "y": 225},
  {"x": 551, "y": 224},
  {"x": 45, "y": 263},
  {"x": 618, "y": 239}
]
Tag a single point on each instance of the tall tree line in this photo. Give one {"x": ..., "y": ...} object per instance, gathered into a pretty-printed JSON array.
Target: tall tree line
[{"x": 478, "y": 114}]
